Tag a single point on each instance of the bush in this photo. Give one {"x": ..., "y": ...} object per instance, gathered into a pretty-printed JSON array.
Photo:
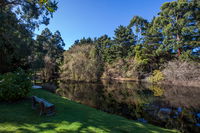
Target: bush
[
  {"x": 183, "y": 73},
  {"x": 156, "y": 77},
  {"x": 14, "y": 86}
]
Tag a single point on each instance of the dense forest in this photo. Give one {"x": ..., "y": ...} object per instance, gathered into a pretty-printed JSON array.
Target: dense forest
[{"x": 163, "y": 49}]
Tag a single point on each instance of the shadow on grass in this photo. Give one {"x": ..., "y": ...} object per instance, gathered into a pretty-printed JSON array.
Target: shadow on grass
[{"x": 70, "y": 118}]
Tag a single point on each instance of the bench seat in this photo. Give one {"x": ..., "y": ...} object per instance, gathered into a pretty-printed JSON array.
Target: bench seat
[{"x": 45, "y": 106}]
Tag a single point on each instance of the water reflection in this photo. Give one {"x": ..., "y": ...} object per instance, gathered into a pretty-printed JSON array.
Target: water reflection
[{"x": 166, "y": 106}]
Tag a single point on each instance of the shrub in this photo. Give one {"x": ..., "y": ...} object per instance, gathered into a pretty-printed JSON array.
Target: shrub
[
  {"x": 156, "y": 77},
  {"x": 185, "y": 73},
  {"x": 182, "y": 70},
  {"x": 14, "y": 86}
]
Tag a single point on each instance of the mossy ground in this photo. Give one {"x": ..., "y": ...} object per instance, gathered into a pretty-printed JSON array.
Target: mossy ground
[{"x": 70, "y": 117}]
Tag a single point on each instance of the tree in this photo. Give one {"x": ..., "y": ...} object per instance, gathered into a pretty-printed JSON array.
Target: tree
[
  {"x": 103, "y": 45},
  {"x": 124, "y": 39},
  {"x": 83, "y": 41},
  {"x": 140, "y": 25},
  {"x": 81, "y": 64},
  {"x": 150, "y": 52},
  {"x": 31, "y": 12},
  {"x": 18, "y": 19},
  {"x": 179, "y": 23},
  {"x": 15, "y": 42},
  {"x": 48, "y": 53}
]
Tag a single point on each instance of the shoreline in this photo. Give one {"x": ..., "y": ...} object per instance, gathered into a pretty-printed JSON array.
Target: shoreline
[{"x": 164, "y": 82}]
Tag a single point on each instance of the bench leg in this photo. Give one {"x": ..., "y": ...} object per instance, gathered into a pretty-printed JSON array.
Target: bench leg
[
  {"x": 42, "y": 108},
  {"x": 33, "y": 103},
  {"x": 51, "y": 111}
]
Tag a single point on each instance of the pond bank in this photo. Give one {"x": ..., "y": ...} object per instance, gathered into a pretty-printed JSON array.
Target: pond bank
[
  {"x": 165, "y": 82},
  {"x": 70, "y": 117}
]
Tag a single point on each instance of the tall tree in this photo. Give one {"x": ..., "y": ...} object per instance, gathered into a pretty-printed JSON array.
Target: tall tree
[
  {"x": 31, "y": 12},
  {"x": 124, "y": 39},
  {"x": 140, "y": 25},
  {"x": 15, "y": 42},
  {"x": 49, "y": 53},
  {"x": 180, "y": 24},
  {"x": 18, "y": 19},
  {"x": 103, "y": 45}
]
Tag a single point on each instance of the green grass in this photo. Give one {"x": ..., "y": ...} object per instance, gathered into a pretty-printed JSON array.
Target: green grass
[{"x": 70, "y": 117}]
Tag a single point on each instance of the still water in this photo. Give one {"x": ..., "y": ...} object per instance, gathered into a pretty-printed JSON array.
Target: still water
[{"x": 173, "y": 107}]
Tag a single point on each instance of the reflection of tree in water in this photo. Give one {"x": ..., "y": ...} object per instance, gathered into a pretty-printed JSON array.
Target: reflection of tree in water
[
  {"x": 187, "y": 97},
  {"x": 157, "y": 90},
  {"x": 121, "y": 98},
  {"x": 177, "y": 108},
  {"x": 157, "y": 104},
  {"x": 85, "y": 93}
]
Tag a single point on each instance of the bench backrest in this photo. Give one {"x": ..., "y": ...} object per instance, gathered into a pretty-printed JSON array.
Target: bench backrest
[{"x": 45, "y": 102}]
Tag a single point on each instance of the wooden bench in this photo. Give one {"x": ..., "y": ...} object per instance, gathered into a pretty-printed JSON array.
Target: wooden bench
[{"x": 44, "y": 106}]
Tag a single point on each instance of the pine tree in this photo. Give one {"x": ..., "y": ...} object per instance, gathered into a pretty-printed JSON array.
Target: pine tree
[
  {"x": 180, "y": 25},
  {"x": 124, "y": 39}
]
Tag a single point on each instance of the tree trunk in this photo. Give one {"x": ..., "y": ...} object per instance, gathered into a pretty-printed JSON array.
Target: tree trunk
[
  {"x": 178, "y": 40},
  {"x": 179, "y": 51}
]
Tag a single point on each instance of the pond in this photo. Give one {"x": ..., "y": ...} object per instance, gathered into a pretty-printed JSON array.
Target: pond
[{"x": 172, "y": 107}]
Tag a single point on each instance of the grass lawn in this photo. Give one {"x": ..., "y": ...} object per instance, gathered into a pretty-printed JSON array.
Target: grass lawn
[{"x": 70, "y": 117}]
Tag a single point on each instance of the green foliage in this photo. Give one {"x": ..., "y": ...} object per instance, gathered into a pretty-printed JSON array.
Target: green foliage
[
  {"x": 14, "y": 86},
  {"x": 124, "y": 39},
  {"x": 186, "y": 56},
  {"x": 179, "y": 23},
  {"x": 103, "y": 49},
  {"x": 121, "y": 47},
  {"x": 31, "y": 12},
  {"x": 47, "y": 54},
  {"x": 18, "y": 19},
  {"x": 150, "y": 57},
  {"x": 156, "y": 77},
  {"x": 140, "y": 25},
  {"x": 83, "y": 41},
  {"x": 15, "y": 42}
]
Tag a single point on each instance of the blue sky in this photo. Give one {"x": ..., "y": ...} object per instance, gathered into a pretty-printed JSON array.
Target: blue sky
[{"x": 76, "y": 19}]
